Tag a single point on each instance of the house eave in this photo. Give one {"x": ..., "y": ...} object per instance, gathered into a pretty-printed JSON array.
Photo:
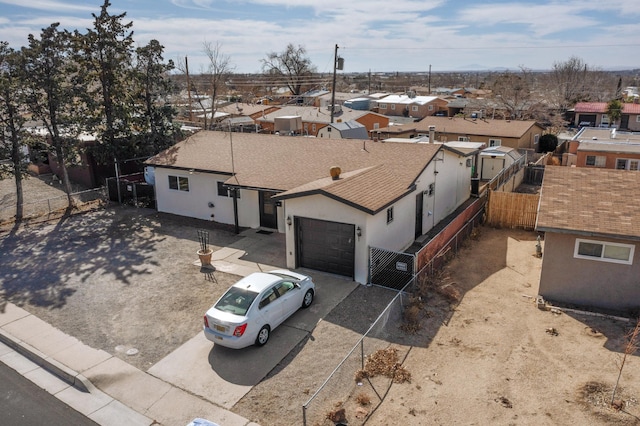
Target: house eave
[{"x": 587, "y": 233}]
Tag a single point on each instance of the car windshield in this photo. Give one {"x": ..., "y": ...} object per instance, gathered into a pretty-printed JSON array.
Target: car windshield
[{"x": 236, "y": 301}]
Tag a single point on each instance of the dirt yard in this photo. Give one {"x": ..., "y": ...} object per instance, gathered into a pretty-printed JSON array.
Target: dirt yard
[
  {"x": 127, "y": 281},
  {"x": 494, "y": 358}
]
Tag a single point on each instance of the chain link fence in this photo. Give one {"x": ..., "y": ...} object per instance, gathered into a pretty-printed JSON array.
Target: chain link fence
[
  {"x": 366, "y": 373},
  {"x": 55, "y": 206}
]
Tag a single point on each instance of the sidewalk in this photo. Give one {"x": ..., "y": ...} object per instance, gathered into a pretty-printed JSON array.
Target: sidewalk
[{"x": 66, "y": 368}]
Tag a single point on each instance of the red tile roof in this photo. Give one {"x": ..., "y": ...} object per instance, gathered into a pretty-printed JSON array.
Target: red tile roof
[{"x": 601, "y": 108}]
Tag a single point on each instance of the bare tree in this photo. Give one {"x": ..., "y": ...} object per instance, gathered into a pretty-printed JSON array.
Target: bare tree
[
  {"x": 292, "y": 67},
  {"x": 513, "y": 93},
  {"x": 630, "y": 348},
  {"x": 218, "y": 71}
]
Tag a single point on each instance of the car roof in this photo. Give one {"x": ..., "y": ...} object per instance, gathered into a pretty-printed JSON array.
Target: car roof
[{"x": 257, "y": 281}]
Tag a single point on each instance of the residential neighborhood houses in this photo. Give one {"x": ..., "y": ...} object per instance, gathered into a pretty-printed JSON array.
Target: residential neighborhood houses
[{"x": 373, "y": 184}]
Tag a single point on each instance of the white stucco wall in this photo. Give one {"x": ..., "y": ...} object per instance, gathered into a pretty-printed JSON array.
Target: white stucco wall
[
  {"x": 323, "y": 208},
  {"x": 203, "y": 189}
]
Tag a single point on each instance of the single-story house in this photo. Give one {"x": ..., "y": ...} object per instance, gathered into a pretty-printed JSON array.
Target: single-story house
[
  {"x": 316, "y": 118},
  {"x": 333, "y": 198},
  {"x": 594, "y": 114},
  {"x": 604, "y": 148},
  {"x": 590, "y": 220},
  {"x": 344, "y": 130},
  {"x": 410, "y": 105},
  {"x": 519, "y": 134}
]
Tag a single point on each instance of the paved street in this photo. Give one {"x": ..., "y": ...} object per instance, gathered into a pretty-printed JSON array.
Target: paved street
[{"x": 25, "y": 404}]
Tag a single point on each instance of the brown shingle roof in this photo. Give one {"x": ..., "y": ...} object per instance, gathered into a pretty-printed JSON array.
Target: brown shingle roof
[
  {"x": 465, "y": 126},
  {"x": 588, "y": 201},
  {"x": 374, "y": 173}
]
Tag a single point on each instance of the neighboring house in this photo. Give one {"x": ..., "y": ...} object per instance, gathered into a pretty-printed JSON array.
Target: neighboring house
[
  {"x": 314, "y": 119},
  {"x": 594, "y": 114},
  {"x": 410, "y": 106},
  {"x": 345, "y": 130},
  {"x": 333, "y": 199},
  {"x": 591, "y": 257},
  {"x": 604, "y": 148},
  {"x": 494, "y": 159},
  {"x": 519, "y": 134}
]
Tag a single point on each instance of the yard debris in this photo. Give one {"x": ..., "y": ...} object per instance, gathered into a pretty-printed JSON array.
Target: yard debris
[
  {"x": 338, "y": 415},
  {"x": 384, "y": 362},
  {"x": 504, "y": 401},
  {"x": 552, "y": 331},
  {"x": 361, "y": 413}
]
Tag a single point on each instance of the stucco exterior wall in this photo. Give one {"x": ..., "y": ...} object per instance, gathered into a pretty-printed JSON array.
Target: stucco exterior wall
[
  {"x": 611, "y": 157},
  {"x": 584, "y": 282},
  {"x": 203, "y": 189},
  {"x": 323, "y": 208}
]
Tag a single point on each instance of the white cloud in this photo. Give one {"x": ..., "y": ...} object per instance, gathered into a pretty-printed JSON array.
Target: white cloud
[{"x": 50, "y": 5}]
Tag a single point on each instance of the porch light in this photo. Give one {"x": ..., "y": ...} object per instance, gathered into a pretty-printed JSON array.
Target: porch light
[
  {"x": 359, "y": 232},
  {"x": 289, "y": 222}
]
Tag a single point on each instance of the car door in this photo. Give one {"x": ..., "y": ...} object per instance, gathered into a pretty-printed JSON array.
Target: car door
[
  {"x": 289, "y": 298},
  {"x": 269, "y": 308}
]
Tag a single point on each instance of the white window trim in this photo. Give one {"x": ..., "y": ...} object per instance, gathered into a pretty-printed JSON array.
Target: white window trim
[
  {"x": 495, "y": 142},
  {"x": 604, "y": 259},
  {"x": 383, "y": 106},
  {"x": 393, "y": 106},
  {"x": 414, "y": 108},
  {"x": 463, "y": 138},
  {"x": 637, "y": 118},
  {"x": 177, "y": 178},
  {"x": 430, "y": 107}
]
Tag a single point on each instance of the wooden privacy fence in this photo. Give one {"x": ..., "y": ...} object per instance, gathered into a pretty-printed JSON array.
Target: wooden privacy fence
[{"x": 512, "y": 210}]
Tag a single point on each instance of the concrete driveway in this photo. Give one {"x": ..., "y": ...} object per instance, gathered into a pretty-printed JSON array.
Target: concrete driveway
[{"x": 222, "y": 375}]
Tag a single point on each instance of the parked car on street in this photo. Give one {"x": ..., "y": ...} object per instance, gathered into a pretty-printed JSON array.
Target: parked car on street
[{"x": 254, "y": 306}]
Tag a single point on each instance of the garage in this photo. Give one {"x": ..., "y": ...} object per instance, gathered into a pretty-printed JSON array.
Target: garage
[{"x": 325, "y": 246}]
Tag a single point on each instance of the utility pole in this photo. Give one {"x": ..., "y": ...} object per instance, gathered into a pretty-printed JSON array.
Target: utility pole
[
  {"x": 186, "y": 67},
  {"x": 338, "y": 64},
  {"x": 429, "y": 78}
]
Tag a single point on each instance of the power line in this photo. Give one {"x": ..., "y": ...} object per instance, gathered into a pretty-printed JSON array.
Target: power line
[{"x": 574, "y": 46}]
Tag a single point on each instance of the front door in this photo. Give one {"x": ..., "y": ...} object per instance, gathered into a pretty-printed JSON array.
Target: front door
[
  {"x": 624, "y": 121},
  {"x": 268, "y": 210},
  {"x": 419, "y": 211}
]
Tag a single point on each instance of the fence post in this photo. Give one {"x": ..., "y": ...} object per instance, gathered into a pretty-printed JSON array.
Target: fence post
[
  {"x": 304, "y": 415},
  {"x": 362, "y": 353}
]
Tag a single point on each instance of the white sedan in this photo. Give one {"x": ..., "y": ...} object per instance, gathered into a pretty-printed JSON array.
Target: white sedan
[{"x": 254, "y": 306}]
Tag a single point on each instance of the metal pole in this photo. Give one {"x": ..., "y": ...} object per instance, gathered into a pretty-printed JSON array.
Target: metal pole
[
  {"x": 115, "y": 161},
  {"x": 333, "y": 88}
]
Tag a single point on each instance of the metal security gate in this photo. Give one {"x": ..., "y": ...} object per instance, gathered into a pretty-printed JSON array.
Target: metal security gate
[{"x": 390, "y": 269}]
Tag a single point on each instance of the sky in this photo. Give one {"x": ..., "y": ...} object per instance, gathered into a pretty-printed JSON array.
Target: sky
[{"x": 371, "y": 35}]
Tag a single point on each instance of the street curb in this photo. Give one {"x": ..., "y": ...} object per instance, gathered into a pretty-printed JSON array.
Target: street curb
[{"x": 61, "y": 371}]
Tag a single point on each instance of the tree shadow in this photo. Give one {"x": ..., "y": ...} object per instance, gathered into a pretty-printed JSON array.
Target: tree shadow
[{"x": 44, "y": 265}]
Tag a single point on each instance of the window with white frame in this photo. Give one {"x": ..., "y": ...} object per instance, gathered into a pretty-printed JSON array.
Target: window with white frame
[
  {"x": 495, "y": 142},
  {"x": 313, "y": 128},
  {"x": 463, "y": 139},
  {"x": 637, "y": 118},
  {"x": 414, "y": 108},
  {"x": 430, "y": 107},
  {"x": 627, "y": 164},
  {"x": 383, "y": 106},
  {"x": 393, "y": 106},
  {"x": 596, "y": 160},
  {"x": 376, "y": 125},
  {"x": 224, "y": 191},
  {"x": 604, "y": 251},
  {"x": 390, "y": 215},
  {"x": 536, "y": 139},
  {"x": 179, "y": 183}
]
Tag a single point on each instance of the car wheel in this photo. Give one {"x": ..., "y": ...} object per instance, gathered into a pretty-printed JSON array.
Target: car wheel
[
  {"x": 308, "y": 298},
  {"x": 263, "y": 335}
]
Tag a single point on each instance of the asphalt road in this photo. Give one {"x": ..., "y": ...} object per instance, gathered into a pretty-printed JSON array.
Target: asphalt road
[{"x": 25, "y": 404}]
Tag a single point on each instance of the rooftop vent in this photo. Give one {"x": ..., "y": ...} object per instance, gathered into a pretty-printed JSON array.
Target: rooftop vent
[{"x": 335, "y": 172}]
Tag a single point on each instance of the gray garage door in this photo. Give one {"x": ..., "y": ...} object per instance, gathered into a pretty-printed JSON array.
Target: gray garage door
[{"x": 325, "y": 246}]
